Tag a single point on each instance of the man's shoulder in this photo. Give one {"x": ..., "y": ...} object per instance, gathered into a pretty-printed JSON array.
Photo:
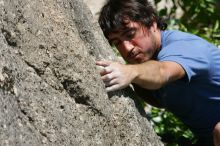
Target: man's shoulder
[{"x": 171, "y": 36}]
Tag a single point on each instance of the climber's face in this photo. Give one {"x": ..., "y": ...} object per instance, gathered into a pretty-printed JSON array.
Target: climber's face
[{"x": 136, "y": 43}]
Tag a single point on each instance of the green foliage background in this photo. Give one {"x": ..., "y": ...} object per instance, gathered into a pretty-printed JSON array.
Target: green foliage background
[{"x": 201, "y": 17}]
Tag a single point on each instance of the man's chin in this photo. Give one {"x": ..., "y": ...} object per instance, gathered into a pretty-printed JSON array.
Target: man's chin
[
  {"x": 142, "y": 60},
  {"x": 138, "y": 61}
]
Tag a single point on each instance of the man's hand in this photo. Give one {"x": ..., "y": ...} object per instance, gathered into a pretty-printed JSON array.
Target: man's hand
[{"x": 115, "y": 75}]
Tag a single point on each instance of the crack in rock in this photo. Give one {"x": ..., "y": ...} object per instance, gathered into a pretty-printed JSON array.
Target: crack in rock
[{"x": 9, "y": 37}]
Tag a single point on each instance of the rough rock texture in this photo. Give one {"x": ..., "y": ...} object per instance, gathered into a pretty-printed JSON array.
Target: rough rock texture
[
  {"x": 95, "y": 6},
  {"x": 50, "y": 90}
]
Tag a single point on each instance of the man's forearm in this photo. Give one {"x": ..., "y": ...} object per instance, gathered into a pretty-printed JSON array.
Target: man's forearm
[{"x": 150, "y": 75}]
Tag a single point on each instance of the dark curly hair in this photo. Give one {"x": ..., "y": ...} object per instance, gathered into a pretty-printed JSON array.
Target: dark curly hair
[{"x": 115, "y": 12}]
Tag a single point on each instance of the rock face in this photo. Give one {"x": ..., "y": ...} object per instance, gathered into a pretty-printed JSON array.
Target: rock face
[{"x": 50, "y": 89}]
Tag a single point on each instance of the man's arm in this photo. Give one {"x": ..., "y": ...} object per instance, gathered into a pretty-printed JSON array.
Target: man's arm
[
  {"x": 150, "y": 75},
  {"x": 155, "y": 74}
]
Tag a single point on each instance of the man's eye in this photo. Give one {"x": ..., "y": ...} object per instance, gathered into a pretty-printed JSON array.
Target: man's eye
[{"x": 130, "y": 35}]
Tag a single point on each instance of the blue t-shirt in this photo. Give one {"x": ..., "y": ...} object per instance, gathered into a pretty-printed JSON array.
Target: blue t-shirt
[{"x": 195, "y": 99}]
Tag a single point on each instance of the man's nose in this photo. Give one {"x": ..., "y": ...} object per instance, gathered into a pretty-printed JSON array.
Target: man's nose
[{"x": 127, "y": 45}]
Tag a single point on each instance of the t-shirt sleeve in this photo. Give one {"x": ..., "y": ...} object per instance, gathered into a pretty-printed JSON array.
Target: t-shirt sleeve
[{"x": 193, "y": 59}]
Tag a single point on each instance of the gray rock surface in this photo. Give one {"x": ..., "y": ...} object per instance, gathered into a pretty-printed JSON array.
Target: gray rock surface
[
  {"x": 50, "y": 89},
  {"x": 95, "y": 6}
]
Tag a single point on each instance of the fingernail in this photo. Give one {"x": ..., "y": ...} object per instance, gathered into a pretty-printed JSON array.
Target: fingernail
[{"x": 100, "y": 68}]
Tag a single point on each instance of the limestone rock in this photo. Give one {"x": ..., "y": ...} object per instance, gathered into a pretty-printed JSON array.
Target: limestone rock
[{"x": 50, "y": 89}]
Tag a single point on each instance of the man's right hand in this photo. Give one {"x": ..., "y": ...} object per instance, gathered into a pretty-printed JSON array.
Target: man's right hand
[{"x": 115, "y": 75}]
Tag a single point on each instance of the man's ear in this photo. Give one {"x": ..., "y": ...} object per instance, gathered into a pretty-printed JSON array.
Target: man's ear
[
  {"x": 145, "y": 29},
  {"x": 154, "y": 27}
]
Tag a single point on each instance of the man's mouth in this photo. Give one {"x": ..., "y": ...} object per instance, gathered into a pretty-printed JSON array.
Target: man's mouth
[
  {"x": 136, "y": 56},
  {"x": 133, "y": 53}
]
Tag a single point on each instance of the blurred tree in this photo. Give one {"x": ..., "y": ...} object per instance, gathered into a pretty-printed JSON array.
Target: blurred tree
[{"x": 200, "y": 17}]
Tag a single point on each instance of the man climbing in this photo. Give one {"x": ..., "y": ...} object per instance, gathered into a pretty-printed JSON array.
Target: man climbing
[{"x": 168, "y": 68}]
